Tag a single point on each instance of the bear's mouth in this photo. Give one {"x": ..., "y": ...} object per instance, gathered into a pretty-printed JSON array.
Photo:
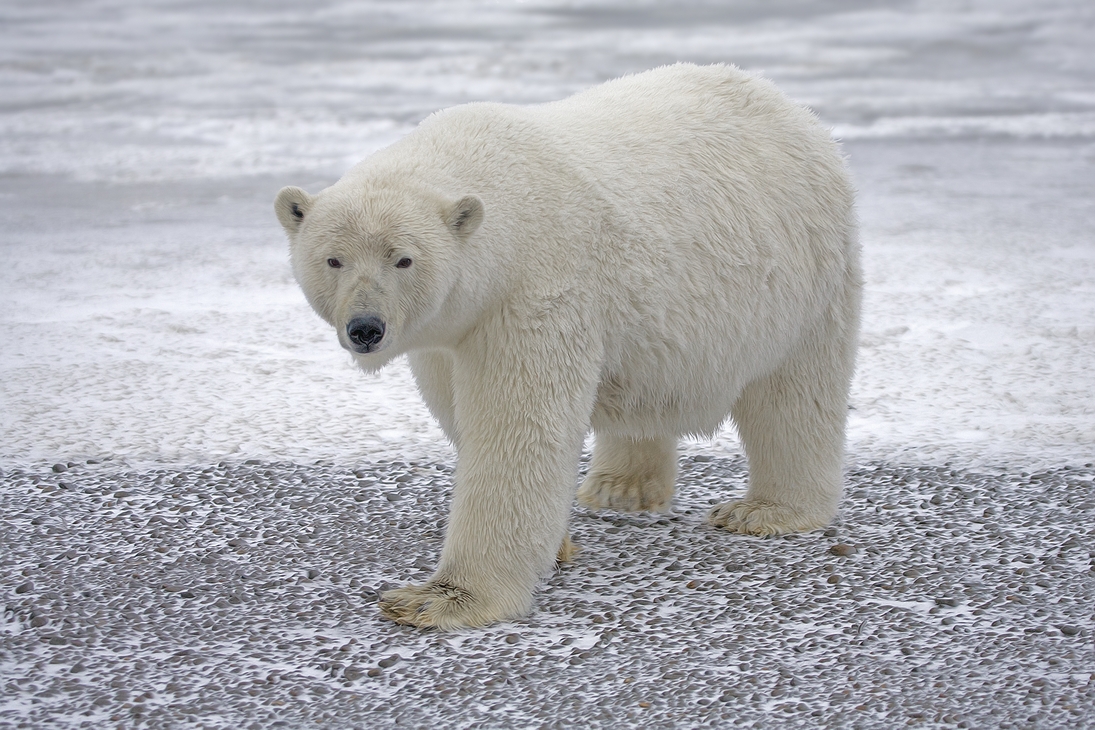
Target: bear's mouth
[{"x": 365, "y": 334}]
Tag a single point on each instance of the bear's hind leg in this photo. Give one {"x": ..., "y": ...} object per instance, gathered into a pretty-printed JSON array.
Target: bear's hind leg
[
  {"x": 791, "y": 423},
  {"x": 630, "y": 475}
]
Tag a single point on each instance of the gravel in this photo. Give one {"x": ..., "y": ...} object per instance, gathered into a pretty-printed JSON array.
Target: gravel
[{"x": 244, "y": 595}]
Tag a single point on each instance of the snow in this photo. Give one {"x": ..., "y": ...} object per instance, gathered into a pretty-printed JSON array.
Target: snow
[
  {"x": 147, "y": 309},
  {"x": 149, "y": 325}
]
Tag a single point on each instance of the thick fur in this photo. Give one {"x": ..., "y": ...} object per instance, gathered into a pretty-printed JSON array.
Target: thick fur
[{"x": 645, "y": 259}]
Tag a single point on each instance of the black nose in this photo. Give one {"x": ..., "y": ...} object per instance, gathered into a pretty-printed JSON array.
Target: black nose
[{"x": 365, "y": 332}]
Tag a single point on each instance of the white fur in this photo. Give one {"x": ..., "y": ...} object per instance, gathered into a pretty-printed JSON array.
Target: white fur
[{"x": 644, "y": 259}]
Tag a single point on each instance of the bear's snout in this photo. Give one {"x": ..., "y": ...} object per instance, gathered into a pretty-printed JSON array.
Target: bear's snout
[{"x": 365, "y": 333}]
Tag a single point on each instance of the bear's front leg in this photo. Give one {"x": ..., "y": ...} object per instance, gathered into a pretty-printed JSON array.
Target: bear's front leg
[{"x": 522, "y": 416}]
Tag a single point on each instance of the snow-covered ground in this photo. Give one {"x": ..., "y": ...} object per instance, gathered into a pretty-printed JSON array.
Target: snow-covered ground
[
  {"x": 147, "y": 311},
  {"x": 148, "y": 318}
]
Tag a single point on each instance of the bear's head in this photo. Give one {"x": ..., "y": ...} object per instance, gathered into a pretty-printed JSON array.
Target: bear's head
[{"x": 379, "y": 266}]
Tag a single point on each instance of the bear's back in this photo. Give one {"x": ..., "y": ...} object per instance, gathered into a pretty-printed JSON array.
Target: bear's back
[{"x": 715, "y": 136}]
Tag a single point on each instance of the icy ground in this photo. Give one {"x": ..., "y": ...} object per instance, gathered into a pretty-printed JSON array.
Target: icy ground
[{"x": 206, "y": 570}]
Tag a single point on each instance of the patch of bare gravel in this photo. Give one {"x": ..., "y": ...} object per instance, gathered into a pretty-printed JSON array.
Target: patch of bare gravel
[{"x": 243, "y": 595}]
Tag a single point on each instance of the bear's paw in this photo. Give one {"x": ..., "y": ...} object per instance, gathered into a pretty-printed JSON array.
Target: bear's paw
[
  {"x": 761, "y": 518},
  {"x": 567, "y": 551},
  {"x": 440, "y": 605},
  {"x": 628, "y": 492}
]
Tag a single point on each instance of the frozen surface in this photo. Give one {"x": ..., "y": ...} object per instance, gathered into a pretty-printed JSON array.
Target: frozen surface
[
  {"x": 148, "y": 312},
  {"x": 149, "y": 322}
]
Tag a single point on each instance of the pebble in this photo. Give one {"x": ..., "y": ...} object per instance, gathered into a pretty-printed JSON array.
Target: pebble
[{"x": 603, "y": 618}]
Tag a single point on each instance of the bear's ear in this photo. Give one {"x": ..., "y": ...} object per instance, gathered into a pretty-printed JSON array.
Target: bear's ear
[
  {"x": 291, "y": 205},
  {"x": 464, "y": 216}
]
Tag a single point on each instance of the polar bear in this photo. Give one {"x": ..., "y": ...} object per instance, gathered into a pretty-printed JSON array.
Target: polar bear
[{"x": 644, "y": 259}]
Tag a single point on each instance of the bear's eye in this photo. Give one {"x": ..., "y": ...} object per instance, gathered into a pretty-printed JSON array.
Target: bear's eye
[
  {"x": 334, "y": 263},
  {"x": 403, "y": 263}
]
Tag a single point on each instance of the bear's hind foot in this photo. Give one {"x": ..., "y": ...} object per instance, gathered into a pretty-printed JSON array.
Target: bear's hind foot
[
  {"x": 625, "y": 493},
  {"x": 630, "y": 475},
  {"x": 761, "y": 518}
]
